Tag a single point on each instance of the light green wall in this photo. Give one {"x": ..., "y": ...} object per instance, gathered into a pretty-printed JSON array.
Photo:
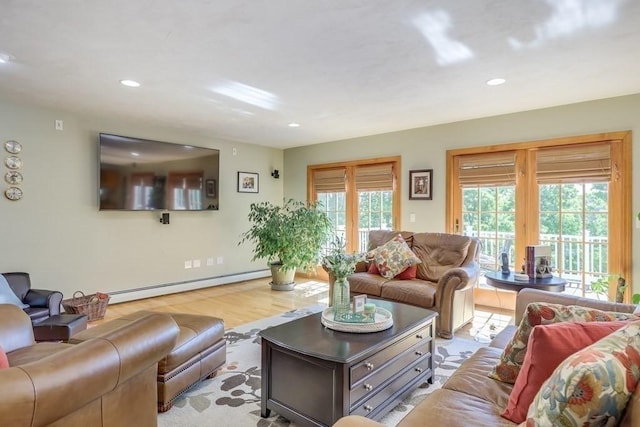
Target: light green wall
[
  {"x": 58, "y": 235},
  {"x": 425, "y": 148}
]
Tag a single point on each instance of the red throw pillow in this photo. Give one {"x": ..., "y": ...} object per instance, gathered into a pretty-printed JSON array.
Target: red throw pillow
[
  {"x": 409, "y": 274},
  {"x": 548, "y": 346},
  {"x": 4, "y": 362},
  {"x": 373, "y": 268}
]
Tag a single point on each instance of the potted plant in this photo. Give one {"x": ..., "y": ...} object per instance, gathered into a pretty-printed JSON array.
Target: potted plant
[
  {"x": 339, "y": 264},
  {"x": 289, "y": 236}
]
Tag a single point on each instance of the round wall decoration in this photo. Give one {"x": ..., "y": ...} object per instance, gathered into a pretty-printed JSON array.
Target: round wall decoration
[
  {"x": 13, "y": 147},
  {"x": 13, "y": 193},
  {"x": 13, "y": 162},
  {"x": 13, "y": 177}
]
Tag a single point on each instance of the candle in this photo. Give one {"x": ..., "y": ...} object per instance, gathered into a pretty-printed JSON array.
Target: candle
[{"x": 369, "y": 308}]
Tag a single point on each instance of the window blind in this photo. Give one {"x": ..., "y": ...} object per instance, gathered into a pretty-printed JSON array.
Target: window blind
[
  {"x": 329, "y": 180},
  {"x": 574, "y": 163},
  {"x": 374, "y": 177},
  {"x": 487, "y": 169}
]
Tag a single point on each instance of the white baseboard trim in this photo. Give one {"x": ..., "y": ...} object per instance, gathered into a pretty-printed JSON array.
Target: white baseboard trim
[{"x": 173, "y": 288}]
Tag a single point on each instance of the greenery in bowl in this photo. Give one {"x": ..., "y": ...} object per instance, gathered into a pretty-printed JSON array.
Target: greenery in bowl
[
  {"x": 338, "y": 262},
  {"x": 290, "y": 235}
]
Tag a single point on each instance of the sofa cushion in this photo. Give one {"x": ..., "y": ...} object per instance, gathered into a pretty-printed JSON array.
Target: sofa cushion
[
  {"x": 380, "y": 237},
  {"x": 548, "y": 347},
  {"x": 4, "y": 362},
  {"x": 593, "y": 386},
  {"x": 393, "y": 257},
  {"x": 414, "y": 292},
  {"x": 543, "y": 314},
  {"x": 365, "y": 283},
  {"x": 439, "y": 253}
]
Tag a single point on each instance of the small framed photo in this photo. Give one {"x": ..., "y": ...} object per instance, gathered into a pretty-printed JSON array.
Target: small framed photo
[
  {"x": 211, "y": 187},
  {"x": 358, "y": 303},
  {"x": 248, "y": 182},
  {"x": 420, "y": 184}
]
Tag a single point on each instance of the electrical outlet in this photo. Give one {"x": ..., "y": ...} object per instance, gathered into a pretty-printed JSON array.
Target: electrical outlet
[
  {"x": 196, "y": 263},
  {"x": 234, "y": 150},
  {"x": 188, "y": 264},
  {"x": 412, "y": 217},
  {"x": 220, "y": 260},
  {"x": 59, "y": 125},
  {"x": 209, "y": 262}
]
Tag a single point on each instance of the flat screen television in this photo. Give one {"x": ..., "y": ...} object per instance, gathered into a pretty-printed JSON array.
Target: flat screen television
[{"x": 140, "y": 175}]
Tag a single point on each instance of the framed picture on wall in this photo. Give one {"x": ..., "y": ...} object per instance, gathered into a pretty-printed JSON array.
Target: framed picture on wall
[
  {"x": 248, "y": 182},
  {"x": 211, "y": 187},
  {"x": 420, "y": 184}
]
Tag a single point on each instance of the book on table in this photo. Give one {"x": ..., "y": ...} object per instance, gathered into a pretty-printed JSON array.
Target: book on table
[{"x": 538, "y": 261}]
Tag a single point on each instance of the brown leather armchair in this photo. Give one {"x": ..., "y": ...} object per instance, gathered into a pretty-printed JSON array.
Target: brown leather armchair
[
  {"x": 41, "y": 303},
  {"x": 109, "y": 381}
]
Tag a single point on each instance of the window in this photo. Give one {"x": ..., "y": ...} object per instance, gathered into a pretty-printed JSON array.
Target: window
[
  {"x": 573, "y": 194},
  {"x": 358, "y": 196}
]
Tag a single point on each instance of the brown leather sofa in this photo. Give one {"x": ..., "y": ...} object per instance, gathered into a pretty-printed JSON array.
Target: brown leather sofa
[
  {"x": 444, "y": 281},
  {"x": 108, "y": 381},
  {"x": 42, "y": 303},
  {"x": 470, "y": 399}
]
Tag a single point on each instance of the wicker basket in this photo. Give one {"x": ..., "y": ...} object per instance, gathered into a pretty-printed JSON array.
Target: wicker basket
[{"x": 90, "y": 305}]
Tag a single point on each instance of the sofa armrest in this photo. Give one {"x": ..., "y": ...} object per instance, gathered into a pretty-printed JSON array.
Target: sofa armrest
[
  {"x": 41, "y": 392},
  {"x": 356, "y": 421},
  {"x": 44, "y": 298},
  {"x": 17, "y": 330},
  {"x": 528, "y": 295}
]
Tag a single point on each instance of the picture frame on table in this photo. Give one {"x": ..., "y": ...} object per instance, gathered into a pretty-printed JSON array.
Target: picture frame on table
[
  {"x": 358, "y": 303},
  {"x": 420, "y": 184},
  {"x": 248, "y": 182},
  {"x": 210, "y": 188}
]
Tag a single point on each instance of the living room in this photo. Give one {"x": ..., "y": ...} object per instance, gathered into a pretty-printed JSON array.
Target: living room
[{"x": 57, "y": 233}]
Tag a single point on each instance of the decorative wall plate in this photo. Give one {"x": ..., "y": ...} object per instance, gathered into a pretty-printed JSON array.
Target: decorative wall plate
[
  {"x": 13, "y": 193},
  {"x": 13, "y": 162},
  {"x": 13, "y": 177},
  {"x": 13, "y": 147}
]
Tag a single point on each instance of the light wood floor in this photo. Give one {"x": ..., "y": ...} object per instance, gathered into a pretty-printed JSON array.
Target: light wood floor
[{"x": 236, "y": 304}]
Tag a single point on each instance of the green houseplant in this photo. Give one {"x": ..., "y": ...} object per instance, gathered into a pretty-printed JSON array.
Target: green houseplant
[
  {"x": 339, "y": 264},
  {"x": 289, "y": 236}
]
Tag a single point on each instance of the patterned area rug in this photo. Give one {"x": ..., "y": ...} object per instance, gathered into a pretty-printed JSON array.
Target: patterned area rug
[{"x": 232, "y": 398}]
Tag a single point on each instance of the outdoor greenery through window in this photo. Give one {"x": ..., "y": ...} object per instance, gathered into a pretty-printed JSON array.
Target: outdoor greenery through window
[{"x": 573, "y": 194}]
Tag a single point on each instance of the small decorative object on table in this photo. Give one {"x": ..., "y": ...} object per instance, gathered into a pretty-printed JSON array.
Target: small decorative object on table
[
  {"x": 341, "y": 265},
  {"x": 94, "y": 306}
]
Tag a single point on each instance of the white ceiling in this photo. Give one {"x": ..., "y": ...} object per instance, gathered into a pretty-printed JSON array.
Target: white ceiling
[{"x": 243, "y": 69}]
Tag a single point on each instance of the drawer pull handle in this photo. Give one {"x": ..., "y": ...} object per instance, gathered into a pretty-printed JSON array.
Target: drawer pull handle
[
  {"x": 419, "y": 353},
  {"x": 368, "y": 387},
  {"x": 368, "y": 408},
  {"x": 418, "y": 369},
  {"x": 419, "y": 336},
  {"x": 369, "y": 366}
]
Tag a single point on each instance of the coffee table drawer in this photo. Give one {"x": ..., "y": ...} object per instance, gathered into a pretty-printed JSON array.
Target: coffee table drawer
[
  {"x": 371, "y": 384},
  {"x": 369, "y": 365},
  {"x": 402, "y": 383}
]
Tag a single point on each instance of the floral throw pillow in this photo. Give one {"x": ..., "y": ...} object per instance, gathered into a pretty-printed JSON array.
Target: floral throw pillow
[
  {"x": 539, "y": 313},
  {"x": 393, "y": 257},
  {"x": 591, "y": 387}
]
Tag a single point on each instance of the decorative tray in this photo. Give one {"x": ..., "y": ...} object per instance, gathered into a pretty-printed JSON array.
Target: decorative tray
[{"x": 383, "y": 321}]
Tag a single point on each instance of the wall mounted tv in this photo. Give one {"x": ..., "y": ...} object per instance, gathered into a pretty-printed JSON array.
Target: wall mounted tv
[{"x": 139, "y": 175}]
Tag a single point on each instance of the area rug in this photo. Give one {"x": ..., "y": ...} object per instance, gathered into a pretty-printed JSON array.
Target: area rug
[{"x": 232, "y": 398}]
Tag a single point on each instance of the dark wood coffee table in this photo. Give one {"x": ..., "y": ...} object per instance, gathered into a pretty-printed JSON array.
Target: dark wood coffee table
[{"x": 313, "y": 375}]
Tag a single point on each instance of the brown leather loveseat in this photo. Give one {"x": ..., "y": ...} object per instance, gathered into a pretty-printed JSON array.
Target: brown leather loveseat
[
  {"x": 444, "y": 279},
  {"x": 104, "y": 382}
]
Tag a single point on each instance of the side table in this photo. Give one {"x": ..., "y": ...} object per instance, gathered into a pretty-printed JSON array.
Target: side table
[{"x": 509, "y": 283}]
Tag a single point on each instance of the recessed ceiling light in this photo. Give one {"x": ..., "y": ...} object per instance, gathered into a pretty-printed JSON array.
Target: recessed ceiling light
[
  {"x": 134, "y": 154},
  {"x": 294, "y": 125},
  {"x": 130, "y": 83},
  {"x": 496, "y": 82}
]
